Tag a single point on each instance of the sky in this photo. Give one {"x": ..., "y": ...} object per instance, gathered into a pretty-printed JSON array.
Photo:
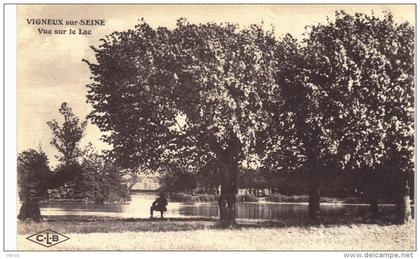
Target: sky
[{"x": 50, "y": 70}]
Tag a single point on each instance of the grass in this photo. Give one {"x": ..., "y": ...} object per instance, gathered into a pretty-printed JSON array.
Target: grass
[
  {"x": 108, "y": 225},
  {"x": 204, "y": 234},
  {"x": 91, "y": 224}
]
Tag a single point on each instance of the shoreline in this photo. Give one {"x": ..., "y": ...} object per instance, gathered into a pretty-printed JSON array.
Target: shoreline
[{"x": 262, "y": 200}]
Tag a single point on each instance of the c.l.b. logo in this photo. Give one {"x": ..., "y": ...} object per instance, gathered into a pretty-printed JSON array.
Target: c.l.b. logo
[{"x": 48, "y": 238}]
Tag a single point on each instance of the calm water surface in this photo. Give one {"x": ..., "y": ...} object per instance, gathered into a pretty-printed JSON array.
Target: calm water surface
[{"x": 140, "y": 204}]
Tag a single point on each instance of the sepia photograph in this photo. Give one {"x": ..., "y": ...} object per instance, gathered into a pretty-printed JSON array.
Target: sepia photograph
[{"x": 207, "y": 127}]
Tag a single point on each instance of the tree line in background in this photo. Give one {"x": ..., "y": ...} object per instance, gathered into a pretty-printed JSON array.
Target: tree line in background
[
  {"x": 80, "y": 174},
  {"x": 199, "y": 96},
  {"x": 351, "y": 188}
]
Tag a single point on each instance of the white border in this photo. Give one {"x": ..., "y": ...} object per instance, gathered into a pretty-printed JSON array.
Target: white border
[
  {"x": 10, "y": 127},
  {"x": 10, "y": 141}
]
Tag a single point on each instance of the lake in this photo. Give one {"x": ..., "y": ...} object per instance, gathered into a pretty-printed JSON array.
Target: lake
[{"x": 140, "y": 203}]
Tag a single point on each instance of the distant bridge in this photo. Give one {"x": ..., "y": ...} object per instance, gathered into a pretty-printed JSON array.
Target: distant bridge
[{"x": 147, "y": 183}]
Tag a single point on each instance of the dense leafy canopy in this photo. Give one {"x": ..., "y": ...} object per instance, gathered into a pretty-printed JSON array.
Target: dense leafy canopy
[
  {"x": 186, "y": 99},
  {"x": 348, "y": 94},
  {"x": 182, "y": 96},
  {"x": 367, "y": 63},
  {"x": 32, "y": 172}
]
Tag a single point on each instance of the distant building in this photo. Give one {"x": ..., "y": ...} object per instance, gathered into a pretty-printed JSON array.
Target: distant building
[{"x": 146, "y": 183}]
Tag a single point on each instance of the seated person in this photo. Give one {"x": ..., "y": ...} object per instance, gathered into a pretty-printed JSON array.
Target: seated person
[{"x": 159, "y": 205}]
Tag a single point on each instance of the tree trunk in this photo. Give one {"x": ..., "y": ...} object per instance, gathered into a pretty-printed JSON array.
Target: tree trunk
[
  {"x": 373, "y": 204},
  {"x": 227, "y": 199},
  {"x": 227, "y": 206},
  {"x": 372, "y": 192},
  {"x": 29, "y": 210},
  {"x": 229, "y": 183},
  {"x": 314, "y": 203},
  {"x": 403, "y": 206}
]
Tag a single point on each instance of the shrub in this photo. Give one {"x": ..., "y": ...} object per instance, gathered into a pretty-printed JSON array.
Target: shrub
[
  {"x": 284, "y": 198},
  {"x": 247, "y": 198},
  {"x": 297, "y": 198},
  {"x": 205, "y": 198},
  {"x": 183, "y": 197},
  {"x": 330, "y": 200},
  {"x": 275, "y": 198},
  {"x": 180, "y": 197}
]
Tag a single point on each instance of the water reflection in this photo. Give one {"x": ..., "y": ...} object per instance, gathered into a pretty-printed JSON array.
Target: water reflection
[
  {"x": 140, "y": 204},
  {"x": 276, "y": 211}
]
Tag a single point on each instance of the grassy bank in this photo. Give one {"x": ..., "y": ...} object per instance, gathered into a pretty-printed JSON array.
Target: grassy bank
[
  {"x": 203, "y": 234},
  {"x": 82, "y": 224}
]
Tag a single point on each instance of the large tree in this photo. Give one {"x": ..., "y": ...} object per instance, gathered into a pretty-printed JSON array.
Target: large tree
[
  {"x": 66, "y": 138},
  {"x": 102, "y": 180},
  {"x": 280, "y": 148},
  {"x": 373, "y": 60},
  {"x": 305, "y": 116},
  {"x": 186, "y": 96},
  {"x": 35, "y": 178},
  {"x": 33, "y": 173},
  {"x": 398, "y": 47},
  {"x": 346, "y": 101},
  {"x": 361, "y": 68}
]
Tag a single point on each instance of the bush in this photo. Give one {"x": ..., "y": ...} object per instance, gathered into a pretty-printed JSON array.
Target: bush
[
  {"x": 180, "y": 197},
  {"x": 297, "y": 198},
  {"x": 200, "y": 191},
  {"x": 247, "y": 198},
  {"x": 275, "y": 197},
  {"x": 284, "y": 198},
  {"x": 330, "y": 200},
  {"x": 183, "y": 197},
  {"x": 205, "y": 198}
]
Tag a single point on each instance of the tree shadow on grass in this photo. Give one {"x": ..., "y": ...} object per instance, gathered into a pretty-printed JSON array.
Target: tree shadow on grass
[
  {"x": 89, "y": 224},
  {"x": 383, "y": 220}
]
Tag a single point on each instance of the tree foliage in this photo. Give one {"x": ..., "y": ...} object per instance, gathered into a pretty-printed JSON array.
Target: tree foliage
[
  {"x": 370, "y": 62},
  {"x": 188, "y": 91},
  {"x": 346, "y": 102},
  {"x": 102, "y": 181},
  {"x": 66, "y": 137},
  {"x": 98, "y": 179},
  {"x": 33, "y": 172},
  {"x": 213, "y": 96}
]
